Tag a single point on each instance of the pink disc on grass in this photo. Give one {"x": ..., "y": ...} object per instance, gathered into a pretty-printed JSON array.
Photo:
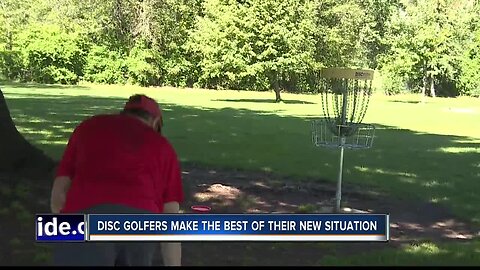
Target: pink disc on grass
[{"x": 201, "y": 208}]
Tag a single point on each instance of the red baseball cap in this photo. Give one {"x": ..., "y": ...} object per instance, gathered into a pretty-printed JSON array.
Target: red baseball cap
[{"x": 145, "y": 103}]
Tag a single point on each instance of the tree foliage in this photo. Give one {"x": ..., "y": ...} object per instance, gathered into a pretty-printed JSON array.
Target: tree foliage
[
  {"x": 429, "y": 46},
  {"x": 427, "y": 40}
]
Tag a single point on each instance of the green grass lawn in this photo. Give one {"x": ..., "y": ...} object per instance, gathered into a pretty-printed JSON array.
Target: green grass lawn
[
  {"x": 425, "y": 151},
  {"x": 430, "y": 148},
  {"x": 421, "y": 254}
]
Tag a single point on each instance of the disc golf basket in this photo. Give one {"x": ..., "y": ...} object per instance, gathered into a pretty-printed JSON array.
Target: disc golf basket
[{"x": 345, "y": 96}]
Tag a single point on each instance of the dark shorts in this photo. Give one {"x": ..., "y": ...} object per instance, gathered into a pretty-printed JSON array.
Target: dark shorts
[{"x": 106, "y": 253}]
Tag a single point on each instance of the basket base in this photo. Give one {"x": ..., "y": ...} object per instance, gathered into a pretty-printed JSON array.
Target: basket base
[{"x": 343, "y": 210}]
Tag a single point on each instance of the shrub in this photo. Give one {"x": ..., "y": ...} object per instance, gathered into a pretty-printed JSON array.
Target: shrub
[{"x": 105, "y": 66}]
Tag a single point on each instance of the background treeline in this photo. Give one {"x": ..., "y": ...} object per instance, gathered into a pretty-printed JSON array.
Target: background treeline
[{"x": 430, "y": 46}]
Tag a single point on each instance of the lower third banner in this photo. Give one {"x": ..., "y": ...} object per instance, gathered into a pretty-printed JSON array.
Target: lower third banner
[{"x": 238, "y": 227}]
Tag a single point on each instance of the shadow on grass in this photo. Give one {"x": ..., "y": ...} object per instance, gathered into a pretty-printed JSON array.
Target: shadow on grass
[
  {"x": 266, "y": 101},
  {"x": 438, "y": 167},
  {"x": 402, "y": 163}
]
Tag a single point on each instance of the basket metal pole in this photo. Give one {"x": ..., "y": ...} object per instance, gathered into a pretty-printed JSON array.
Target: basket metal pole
[
  {"x": 342, "y": 148},
  {"x": 340, "y": 176}
]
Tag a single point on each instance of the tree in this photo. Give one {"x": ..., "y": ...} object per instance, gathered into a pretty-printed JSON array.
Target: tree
[
  {"x": 376, "y": 18},
  {"x": 255, "y": 45},
  {"x": 12, "y": 20},
  {"x": 426, "y": 41},
  {"x": 469, "y": 77},
  {"x": 18, "y": 155}
]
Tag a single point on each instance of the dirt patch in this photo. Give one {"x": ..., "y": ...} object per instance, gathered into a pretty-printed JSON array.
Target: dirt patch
[
  {"x": 236, "y": 191},
  {"x": 229, "y": 191}
]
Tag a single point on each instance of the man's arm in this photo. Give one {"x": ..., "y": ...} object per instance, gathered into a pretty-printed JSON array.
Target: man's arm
[
  {"x": 60, "y": 188},
  {"x": 171, "y": 252},
  {"x": 65, "y": 173}
]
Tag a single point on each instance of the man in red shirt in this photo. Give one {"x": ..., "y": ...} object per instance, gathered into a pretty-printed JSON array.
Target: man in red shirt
[{"x": 118, "y": 164}]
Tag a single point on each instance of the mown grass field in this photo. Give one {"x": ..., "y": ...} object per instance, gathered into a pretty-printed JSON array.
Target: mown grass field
[{"x": 423, "y": 151}]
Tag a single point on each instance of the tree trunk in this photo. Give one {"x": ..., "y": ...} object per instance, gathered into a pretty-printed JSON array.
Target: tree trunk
[
  {"x": 9, "y": 45},
  {"x": 276, "y": 88},
  {"x": 424, "y": 88},
  {"x": 278, "y": 98},
  {"x": 17, "y": 154},
  {"x": 432, "y": 86}
]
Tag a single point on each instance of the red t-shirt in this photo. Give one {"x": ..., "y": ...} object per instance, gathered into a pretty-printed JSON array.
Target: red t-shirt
[{"x": 117, "y": 159}]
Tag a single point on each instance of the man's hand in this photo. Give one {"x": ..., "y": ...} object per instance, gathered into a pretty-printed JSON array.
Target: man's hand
[
  {"x": 171, "y": 252},
  {"x": 59, "y": 193}
]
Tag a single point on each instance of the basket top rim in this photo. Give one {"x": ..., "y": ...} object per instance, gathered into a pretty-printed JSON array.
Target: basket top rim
[{"x": 347, "y": 73}]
